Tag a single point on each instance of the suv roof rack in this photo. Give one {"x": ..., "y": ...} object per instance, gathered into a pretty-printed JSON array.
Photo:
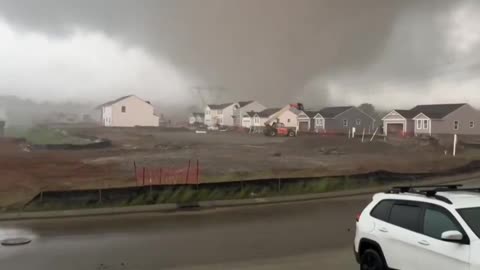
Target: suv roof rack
[
  {"x": 432, "y": 190},
  {"x": 425, "y": 188},
  {"x": 429, "y": 190}
]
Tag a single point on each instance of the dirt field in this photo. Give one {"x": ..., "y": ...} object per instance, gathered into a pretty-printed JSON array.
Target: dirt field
[{"x": 222, "y": 156}]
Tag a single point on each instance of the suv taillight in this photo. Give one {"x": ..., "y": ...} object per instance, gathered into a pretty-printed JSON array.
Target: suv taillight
[{"x": 358, "y": 217}]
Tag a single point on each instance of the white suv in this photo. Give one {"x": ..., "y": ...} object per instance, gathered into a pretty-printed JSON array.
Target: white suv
[{"x": 414, "y": 228}]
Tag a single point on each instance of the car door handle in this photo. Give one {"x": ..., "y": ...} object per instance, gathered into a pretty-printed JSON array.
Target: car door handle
[
  {"x": 383, "y": 229},
  {"x": 424, "y": 243}
]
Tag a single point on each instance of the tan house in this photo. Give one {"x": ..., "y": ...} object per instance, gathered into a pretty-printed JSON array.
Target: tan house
[
  {"x": 128, "y": 111},
  {"x": 287, "y": 115}
]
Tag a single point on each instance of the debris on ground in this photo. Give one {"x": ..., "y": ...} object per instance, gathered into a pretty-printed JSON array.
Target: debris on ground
[
  {"x": 15, "y": 241},
  {"x": 331, "y": 151},
  {"x": 277, "y": 154}
]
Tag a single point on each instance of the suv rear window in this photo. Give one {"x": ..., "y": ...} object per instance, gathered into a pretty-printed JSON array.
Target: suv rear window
[
  {"x": 406, "y": 216},
  {"x": 382, "y": 210}
]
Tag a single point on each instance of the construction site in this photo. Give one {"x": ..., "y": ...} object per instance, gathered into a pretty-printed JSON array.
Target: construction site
[{"x": 113, "y": 156}]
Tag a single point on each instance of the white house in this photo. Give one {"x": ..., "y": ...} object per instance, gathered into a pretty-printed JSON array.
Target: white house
[
  {"x": 311, "y": 121},
  {"x": 244, "y": 107},
  {"x": 220, "y": 114},
  {"x": 253, "y": 120},
  {"x": 128, "y": 111}
]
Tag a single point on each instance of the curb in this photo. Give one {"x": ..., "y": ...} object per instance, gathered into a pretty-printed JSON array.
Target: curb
[
  {"x": 88, "y": 212},
  {"x": 166, "y": 208}
]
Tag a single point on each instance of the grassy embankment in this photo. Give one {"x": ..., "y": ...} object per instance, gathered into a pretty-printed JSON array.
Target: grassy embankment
[{"x": 43, "y": 135}]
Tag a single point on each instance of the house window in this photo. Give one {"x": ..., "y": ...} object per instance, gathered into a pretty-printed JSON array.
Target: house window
[
  {"x": 472, "y": 124},
  {"x": 425, "y": 124},
  {"x": 207, "y": 112},
  {"x": 358, "y": 122},
  {"x": 419, "y": 124},
  {"x": 219, "y": 111},
  {"x": 288, "y": 120},
  {"x": 319, "y": 122},
  {"x": 256, "y": 120},
  {"x": 124, "y": 109},
  {"x": 456, "y": 125},
  {"x": 345, "y": 122}
]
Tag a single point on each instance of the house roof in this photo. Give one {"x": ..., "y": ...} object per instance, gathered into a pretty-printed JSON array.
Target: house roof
[
  {"x": 295, "y": 110},
  {"x": 251, "y": 113},
  {"x": 268, "y": 112},
  {"x": 408, "y": 114},
  {"x": 436, "y": 111},
  {"x": 311, "y": 114},
  {"x": 113, "y": 101},
  {"x": 244, "y": 103},
  {"x": 219, "y": 106},
  {"x": 118, "y": 100},
  {"x": 331, "y": 112}
]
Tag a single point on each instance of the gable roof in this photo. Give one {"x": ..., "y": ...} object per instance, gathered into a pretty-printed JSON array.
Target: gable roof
[
  {"x": 311, "y": 114},
  {"x": 244, "y": 103},
  {"x": 268, "y": 112},
  {"x": 219, "y": 106},
  {"x": 106, "y": 104},
  {"x": 295, "y": 110},
  {"x": 332, "y": 112},
  {"x": 408, "y": 114},
  {"x": 436, "y": 111},
  {"x": 251, "y": 113}
]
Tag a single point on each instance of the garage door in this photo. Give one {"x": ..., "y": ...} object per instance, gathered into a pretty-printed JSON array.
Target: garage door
[
  {"x": 303, "y": 126},
  {"x": 394, "y": 129}
]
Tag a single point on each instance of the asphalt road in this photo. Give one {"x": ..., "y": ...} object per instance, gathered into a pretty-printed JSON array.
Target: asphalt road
[{"x": 306, "y": 235}]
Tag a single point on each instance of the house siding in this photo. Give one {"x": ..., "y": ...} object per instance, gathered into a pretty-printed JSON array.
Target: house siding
[
  {"x": 336, "y": 125},
  {"x": 248, "y": 122},
  {"x": 137, "y": 113},
  {"x": 318, "y": 128},
  {"x": 304, "y": 118},
  {"x": 224, "y": 118},
  {"x": 227, "y": 115},
  {"x": 463, "y": 115},
  {"x": 254, "y": 106},
  {"x": 424, "y": 130},
  {"x": 285, "y": 116},
  {"x": 396, "y": 118}
]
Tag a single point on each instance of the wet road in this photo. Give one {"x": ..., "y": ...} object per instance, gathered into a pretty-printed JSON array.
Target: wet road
[{"x": 307, "y": 235}]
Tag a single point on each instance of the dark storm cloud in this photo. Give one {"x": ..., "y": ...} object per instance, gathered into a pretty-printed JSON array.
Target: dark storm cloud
[{"x": 273, "y": 50}]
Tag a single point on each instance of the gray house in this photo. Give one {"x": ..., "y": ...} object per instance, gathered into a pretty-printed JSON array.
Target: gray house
[
  {"x": 344, "y": 119},
  {"x": 433, "y": 119},
  {"x": 447, "y": 119}
]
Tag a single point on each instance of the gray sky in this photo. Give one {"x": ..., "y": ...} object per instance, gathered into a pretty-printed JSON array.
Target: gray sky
[{"x": 391, "y": 53}]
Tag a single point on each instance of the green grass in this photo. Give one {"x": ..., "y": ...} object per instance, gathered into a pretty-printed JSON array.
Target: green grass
[
  {"x": 44, "y": 135},
  {"x": 194, "y": 194}
]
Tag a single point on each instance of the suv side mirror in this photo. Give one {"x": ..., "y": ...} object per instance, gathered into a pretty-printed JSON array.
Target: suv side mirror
[{"x": 452, "y": 236}]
